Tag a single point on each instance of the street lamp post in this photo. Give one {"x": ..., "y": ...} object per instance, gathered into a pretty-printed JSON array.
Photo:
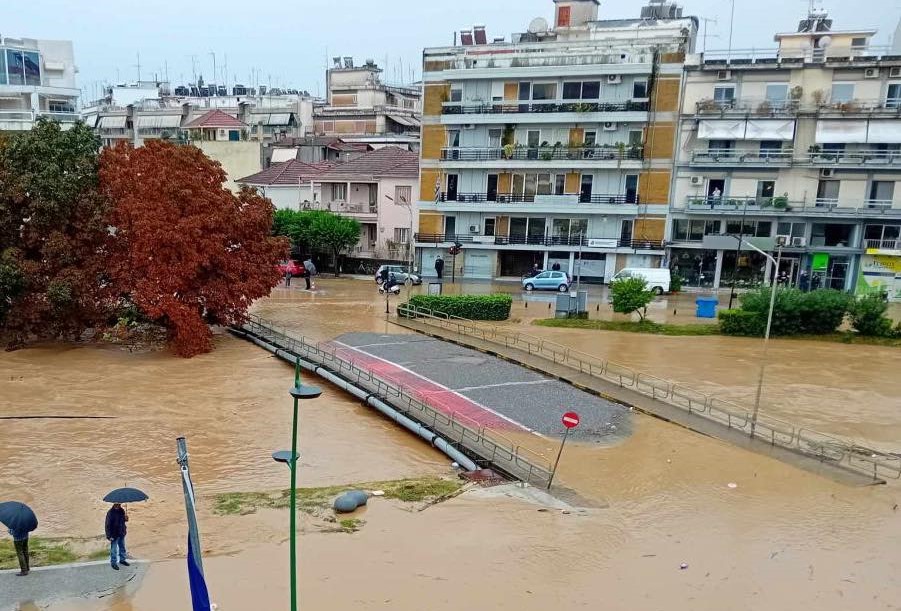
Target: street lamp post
[{"x": 298, "y": 392}]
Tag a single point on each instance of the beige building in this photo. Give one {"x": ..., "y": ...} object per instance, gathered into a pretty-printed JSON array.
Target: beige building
[
  {"x": 802, "y": 141},
  {"x": 225, "y": 139}
]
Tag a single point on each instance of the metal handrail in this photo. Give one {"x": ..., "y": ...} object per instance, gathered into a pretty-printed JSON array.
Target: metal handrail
[
  {"x": 780, "y": 433},
  {"x": 458, "y": 428}
]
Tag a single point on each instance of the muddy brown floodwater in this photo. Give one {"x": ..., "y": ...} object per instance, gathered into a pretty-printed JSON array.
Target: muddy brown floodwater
[{"x": 780, "y": 539}]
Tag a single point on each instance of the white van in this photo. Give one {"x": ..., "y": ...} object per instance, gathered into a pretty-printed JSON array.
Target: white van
[{"x": 658, "y": 278}]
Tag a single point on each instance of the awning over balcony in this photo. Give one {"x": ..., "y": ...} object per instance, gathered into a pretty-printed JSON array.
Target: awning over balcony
[
  {"x": 885, "y": 131},
  {"x": 408, "y": 121},
  {"x": 278, "y": 118},
  {"x": 158, "y": 121},
  {"x": 113, "y": 122},
  {"x": 841, "y": 132},
  {"x": 746, "y": 129}
]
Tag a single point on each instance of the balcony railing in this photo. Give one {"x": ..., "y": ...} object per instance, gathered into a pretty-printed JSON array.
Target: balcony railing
[
  {"x": 767, "y": 108},
  {"x": 519, "y": 240},
  {"x": 16, "y": 115},
  {"x": 783, "y": 204},
  {"x": 884, "y": 244},
  {"x": 456, "y": 108},
  {"x": 544, "y": 153},
  {"x": 737, "y": 157},
  {"x": 850, "y": 158},
  {"x": 62, "y": 117},
  {"x": 519, "y": 198}
]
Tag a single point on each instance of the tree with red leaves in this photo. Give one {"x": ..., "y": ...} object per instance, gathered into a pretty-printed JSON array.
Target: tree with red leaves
[{"x": 186, "y": 251}]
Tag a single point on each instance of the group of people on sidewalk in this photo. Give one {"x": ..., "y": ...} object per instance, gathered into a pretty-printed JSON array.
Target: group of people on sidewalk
[
  {"x": 309, "y": 270},
  {"x": 115, "y": 529}
]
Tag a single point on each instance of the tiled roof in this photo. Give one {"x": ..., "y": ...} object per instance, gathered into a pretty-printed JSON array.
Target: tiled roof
[
  {"x": 287, "y": 173},
  {"x": 387, "y": 162},
  {"x": 213, "y": 119}
]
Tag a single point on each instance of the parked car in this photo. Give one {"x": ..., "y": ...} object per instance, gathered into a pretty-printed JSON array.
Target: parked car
[
  {"x": 294, "y": 267},
  {"x": 658, "y": 278},
  {"x": 400, "y": 274},
  {"x": 552, "y": 281}
]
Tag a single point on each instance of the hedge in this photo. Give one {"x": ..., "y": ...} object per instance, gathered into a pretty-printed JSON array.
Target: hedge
[
  {"x": 739, "y": 322},
  {"x": 473, "y": 307}
]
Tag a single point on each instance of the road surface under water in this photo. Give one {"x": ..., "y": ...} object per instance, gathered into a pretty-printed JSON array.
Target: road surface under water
[{"x": 780, "y": 538}]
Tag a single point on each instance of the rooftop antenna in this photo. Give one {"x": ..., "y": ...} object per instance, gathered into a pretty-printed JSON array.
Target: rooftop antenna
[
  {"x": 138, "y": 66},
  {"x": 704, "y": 33},
  {"x": 732, "y": 26}
]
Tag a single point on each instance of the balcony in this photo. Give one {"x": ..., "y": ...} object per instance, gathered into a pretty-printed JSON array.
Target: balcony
[
  {"x": 359, "y": 211},
  {"x": 508, "y": 203},
  {"x": 729, "y": 157},
  {"x": 531, "y": 156},
  {"x": 518, "y": 198},
  {"x": 882, "y": 245},
  {"x": 550, "y": 111},
  {"x": 850, "y": 159},
  {"x": 548, "y": 241},
  {"x": 763, "y": 108},
  {"x": 778, "y": 206}
]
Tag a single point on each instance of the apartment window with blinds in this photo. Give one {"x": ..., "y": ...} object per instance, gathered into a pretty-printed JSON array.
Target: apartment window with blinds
[
  {"x": 339, "y": 192},
  {"x": 402, "y": 235},
  {"x": 403, "y": 195}
]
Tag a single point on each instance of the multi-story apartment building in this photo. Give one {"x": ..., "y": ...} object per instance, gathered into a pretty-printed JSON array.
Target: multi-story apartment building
[
  {"x": 553, "y": 147},
  {"x": 803, "y": 141},
  {"x": 37, "y": 78},
  {"x": 361, "y": 108}
]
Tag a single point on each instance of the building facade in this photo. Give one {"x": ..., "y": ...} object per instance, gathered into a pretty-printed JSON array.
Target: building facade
[
  {"x": 361, "y": 108},
  {"x": 37, "y": 79},
  {"x": 554, "y": 147},
  {"x": 802, "y": 142}
]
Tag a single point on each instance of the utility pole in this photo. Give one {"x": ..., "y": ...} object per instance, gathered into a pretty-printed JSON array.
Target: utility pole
[{"x": 731, "y": 27}]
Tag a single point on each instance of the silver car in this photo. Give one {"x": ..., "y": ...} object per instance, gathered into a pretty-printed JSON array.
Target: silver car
[{"x": 400, "y": 274}]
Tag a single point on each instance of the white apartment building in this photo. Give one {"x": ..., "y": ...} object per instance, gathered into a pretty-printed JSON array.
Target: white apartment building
[
  {"x": 37, "y": 79},
  {"x": 802, "y": 141},
  {"x": 555, "y": 146}
]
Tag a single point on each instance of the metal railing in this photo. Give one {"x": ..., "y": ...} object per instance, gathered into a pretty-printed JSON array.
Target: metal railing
[
  {"x": 544, "y": 153},
  {"x": 884, "y": 244},
  {"x": 526, "y": 106},
  {"x": 784, "y": 205},
  {"x": 788, "y": 156},
  {"x": 503, "y": 240},
  {"x": 740, "y": 157},
  {"x": 826, "y": 448},
  {"x": 760, "y": 107},
  {"x": 457, "y": 429},
  {"x": 521, "y": 198}
]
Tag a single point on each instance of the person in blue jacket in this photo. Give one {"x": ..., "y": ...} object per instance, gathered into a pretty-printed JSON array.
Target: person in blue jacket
[{"x": 115, "y": 534}]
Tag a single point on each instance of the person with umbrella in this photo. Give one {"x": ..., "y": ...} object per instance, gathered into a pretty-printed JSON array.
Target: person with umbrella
[
  {"x": 116, "y": 519},
  {"x": 20, "y": 520}
]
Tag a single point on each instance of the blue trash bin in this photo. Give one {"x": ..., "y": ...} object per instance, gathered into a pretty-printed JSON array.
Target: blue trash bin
[{"x": 706, "y": 307}]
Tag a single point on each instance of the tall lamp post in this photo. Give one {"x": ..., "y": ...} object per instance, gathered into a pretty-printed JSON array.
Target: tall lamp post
[
  {"x": 777, "y": 261},
  {"x": 298, "y": 392}
]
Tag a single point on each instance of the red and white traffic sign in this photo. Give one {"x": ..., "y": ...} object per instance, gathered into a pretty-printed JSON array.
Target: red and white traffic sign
[{"x": 570, "y": 420}]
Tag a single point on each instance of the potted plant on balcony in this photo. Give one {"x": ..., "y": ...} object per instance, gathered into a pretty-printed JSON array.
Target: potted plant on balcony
[
  {"x": 796, "y": 93},
  {"x": 708, "y": 105},
  {"x": 620, "y": 150},
  {"x": 818, "y": 97},
  {"x": 764, "y": 108},
  {"x": 781, "y": 202},
  {"x": 508, "y": 151}
]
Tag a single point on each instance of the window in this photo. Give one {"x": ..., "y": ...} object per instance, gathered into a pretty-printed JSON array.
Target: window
[
  {"x": 15, "y": 68},
  {"x": 518, "y": 226},
  {"x": 585, "y": 188},
  {"x": 544, "y": 91},
  {"x": 758, "y": 229},
  {"x": 694, "y": 230},
  {"x": 882, "y": 191},
  {"x": 339, "y": 192},
  {"x": 578, "y": 90},
  {"x": 544, "y": 184},
  {"x": 2, "y": 67},
  {"x": 561, "y": 228},
  {"x": 494, "y": 138},
  {"x": 830, "y": 234},
  {"x": 640, "y": 89},
  {"x": 893, "y": 96},
  {"x": 591, "y": 138},
  {"x": 827, "y": 192},
  {"x": 453, "y": 138},
  {"x": 777, "y": 93},
  {"x": 531, "y": 186},
  {"x": 456, "y": 94},
  {"x": 578, "y": 227},
  {"x": 591, "y": 90},
  {"x": 572, "y": 91},
  {"x": 490, "y": 224},
  {"x": 770, "y": 148},
  {"x": 560, "y": 184},
  {"x": 631, "y": 187},
  {"x": 842, "y": 93},
  {"x": 635, "y": 136},
  {"x": 794, "y": 230},
  {"x": 720, "y": 146},
  {"x": 724, "y": 95},
  {"x": 564, "y": 15},
  {"x": 402, "y": 235},
  {"x": 403, "y": 195},
  {"x": 858, "y": 44},
  {"x": 766, "y": 189}
]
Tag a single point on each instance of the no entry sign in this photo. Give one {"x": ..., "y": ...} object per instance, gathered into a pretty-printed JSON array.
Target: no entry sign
[{"x": 570, "y": 420}]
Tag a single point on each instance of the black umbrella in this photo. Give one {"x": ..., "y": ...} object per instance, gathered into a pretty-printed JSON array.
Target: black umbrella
[
  {"x": 18, "y": 516},
  {"x": 125, "y": 495}
]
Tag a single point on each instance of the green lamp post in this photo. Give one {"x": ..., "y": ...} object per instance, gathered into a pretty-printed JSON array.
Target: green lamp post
[{"x": 298, "y": 392}]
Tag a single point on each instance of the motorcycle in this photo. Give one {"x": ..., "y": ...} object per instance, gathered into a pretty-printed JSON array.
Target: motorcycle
[{"x": 395, "y": 289}]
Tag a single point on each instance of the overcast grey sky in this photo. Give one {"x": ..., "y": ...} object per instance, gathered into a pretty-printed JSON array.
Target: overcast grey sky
[{"x": 289, "y": 40}]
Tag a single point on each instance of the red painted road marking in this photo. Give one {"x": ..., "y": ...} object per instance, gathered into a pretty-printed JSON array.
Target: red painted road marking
[
  {"x": 570, "y": 420},
  {"x": 431, "y": 393}
]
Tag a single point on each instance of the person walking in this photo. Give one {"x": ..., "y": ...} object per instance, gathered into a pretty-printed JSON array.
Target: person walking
[
  {"x": 115, "y": 534},
  {"x": 310, "y": 271},
  {"x": 555, "y": 266},
  {"x": 20, "y": 542},
  {"x": 287, "y": 277},
  {"x": 439, "y": 266}
]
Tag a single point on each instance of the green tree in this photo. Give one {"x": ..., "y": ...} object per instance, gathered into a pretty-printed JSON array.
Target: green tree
[
  {"x": 631, "y": 295},
  {"x": 51, "y": 232},
  {"x": 867, "y": 315},
  {"x": 333, "y": 232},
  {"x": 295, "y": 225}
]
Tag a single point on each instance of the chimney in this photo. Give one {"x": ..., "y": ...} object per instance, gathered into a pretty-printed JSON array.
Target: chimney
[{"x": 575, "y": 13}]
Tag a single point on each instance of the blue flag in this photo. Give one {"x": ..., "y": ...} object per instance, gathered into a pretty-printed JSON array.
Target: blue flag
[{"x": 200, "y": 598}]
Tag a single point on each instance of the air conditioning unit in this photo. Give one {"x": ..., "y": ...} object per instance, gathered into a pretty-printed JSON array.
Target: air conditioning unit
[
  {"x": 610, "y": 126},
  {"x": 783, "y": 240},
  {"x": 614, "y": 79},
  {"x": 827, "y": 172},
  {"x": 799, "y": 242},
  {"x": 724, "y": 75},
  {"x": 871, "y": 73},
  {"x": 895, "y": 72},
  {"x": 696, "y": 181},
  {"x": 469, "y": 126},
  {"x": 473, "y": 229}
]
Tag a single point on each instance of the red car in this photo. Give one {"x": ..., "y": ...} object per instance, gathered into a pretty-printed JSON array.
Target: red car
[{"x": 293, "y": 267}]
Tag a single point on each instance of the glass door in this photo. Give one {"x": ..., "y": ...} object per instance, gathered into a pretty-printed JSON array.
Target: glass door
[{"x": 491, "y": 191}]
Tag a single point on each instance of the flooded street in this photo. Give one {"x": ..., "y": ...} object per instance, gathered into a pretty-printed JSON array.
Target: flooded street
[{"x": 781, "y": 538}]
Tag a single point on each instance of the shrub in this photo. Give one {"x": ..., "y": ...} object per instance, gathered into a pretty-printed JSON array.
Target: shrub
[
  {"x": 798, "y": 313},
  {"x": 473, "y": 307},
  {"x": 631, "y": 295},
  {"x": 675, "y": 283},
  {"x": 868, "y": 316},
  {"x": 740, "y": 322}
]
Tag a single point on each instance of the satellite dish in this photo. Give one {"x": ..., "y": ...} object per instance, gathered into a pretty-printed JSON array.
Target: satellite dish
[
  {"x": 538, "y": 26},
  {"x": 824, "y": 42}
]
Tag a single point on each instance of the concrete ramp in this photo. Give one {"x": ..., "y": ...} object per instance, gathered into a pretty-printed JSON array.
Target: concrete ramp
[{"x": 86, "y": 580}]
